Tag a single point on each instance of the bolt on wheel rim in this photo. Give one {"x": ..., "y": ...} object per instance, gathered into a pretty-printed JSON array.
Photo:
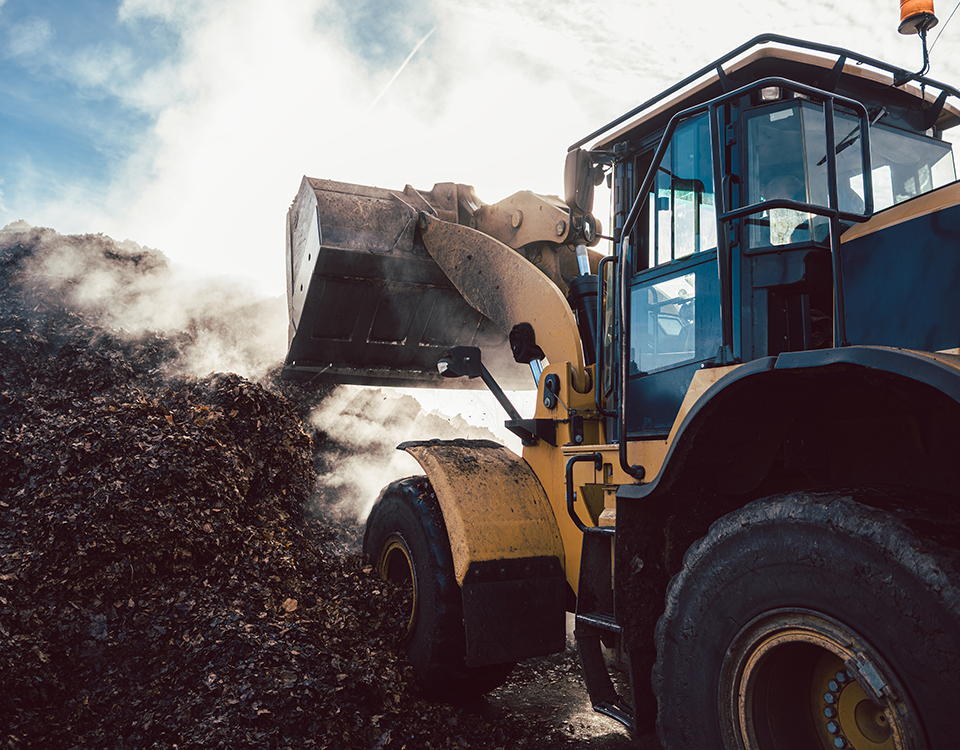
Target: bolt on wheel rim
[
  {"x": 798, "y": 680},
  {"x": 850, "y": 718}
]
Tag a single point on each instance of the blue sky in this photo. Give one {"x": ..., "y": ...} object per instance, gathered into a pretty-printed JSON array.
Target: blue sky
[
  {"x": 61, "y": 118},
  {"x": 186, "y": 125}
]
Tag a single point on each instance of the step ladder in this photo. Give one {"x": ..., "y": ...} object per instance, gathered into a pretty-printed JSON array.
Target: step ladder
[{"x": 595, "y": 621}]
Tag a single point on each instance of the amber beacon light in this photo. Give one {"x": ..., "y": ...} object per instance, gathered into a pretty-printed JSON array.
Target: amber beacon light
[{"x": 916, "y": 16}]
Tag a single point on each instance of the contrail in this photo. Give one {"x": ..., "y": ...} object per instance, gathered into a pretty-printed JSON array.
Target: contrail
[{"x": 399, "y": 70}]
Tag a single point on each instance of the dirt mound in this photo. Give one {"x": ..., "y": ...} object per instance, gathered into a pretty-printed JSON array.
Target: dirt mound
[{"x": 160, "y": 583}]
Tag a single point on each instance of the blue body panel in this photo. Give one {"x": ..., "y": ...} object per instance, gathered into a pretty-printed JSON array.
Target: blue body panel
[{"x": 902, "y": 284}]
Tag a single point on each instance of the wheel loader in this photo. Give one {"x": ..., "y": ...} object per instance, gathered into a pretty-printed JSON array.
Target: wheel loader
[{"x": 743, "y": 468}]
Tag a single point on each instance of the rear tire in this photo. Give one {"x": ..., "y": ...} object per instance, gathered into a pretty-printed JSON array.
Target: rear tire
[
  {"x": 407, "y": 541},
  {"x": 788, "y": 614}
]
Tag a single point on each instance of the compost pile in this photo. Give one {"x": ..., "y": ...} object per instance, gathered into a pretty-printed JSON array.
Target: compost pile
[{"x": 160, "y": 582}]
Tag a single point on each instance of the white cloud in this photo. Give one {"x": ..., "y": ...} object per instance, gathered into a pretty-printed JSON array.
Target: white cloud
[
  {"x": 28, "y": 38},
  {"x": 101, "y": 67},
  {"x": 253, "y": 95},
  {"x": 257, "y": 93}
]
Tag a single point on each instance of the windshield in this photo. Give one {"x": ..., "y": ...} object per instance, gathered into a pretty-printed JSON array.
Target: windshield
[{"x": 787, "y": 159}]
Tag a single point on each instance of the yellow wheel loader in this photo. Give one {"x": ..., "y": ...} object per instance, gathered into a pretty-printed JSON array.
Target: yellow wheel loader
[{"x": 743, "y": 468}]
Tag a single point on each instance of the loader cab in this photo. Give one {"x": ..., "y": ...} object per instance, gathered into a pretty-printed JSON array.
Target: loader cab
[
  {"x": 731, "y": 201},
  {"x": 733, "y": 231},
  {"x": 674, "y": 294}
]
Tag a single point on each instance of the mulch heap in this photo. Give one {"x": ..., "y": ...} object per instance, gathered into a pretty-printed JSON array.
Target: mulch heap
[{"x": 160, "y": 584}]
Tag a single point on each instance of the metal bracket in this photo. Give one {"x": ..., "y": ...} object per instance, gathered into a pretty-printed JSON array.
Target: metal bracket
[
  {"x": 830, "y": 84},
  {"x": 530, "y": 431},
  {"x": 868, "y": 677},
  {"x": 931, "y": 115},
  {"x": 725, "y": 80}
]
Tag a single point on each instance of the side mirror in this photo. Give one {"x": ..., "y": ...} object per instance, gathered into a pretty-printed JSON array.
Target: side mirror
[{"x": 579, "y": 179}]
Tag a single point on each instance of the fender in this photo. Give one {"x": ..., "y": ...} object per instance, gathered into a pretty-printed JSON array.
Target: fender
[
  {"x": 506, "y": 548},
  {"x": 774, "y": 391}
]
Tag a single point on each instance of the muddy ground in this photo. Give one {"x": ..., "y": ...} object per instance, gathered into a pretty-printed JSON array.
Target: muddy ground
[{"x": 551, "y": 689}]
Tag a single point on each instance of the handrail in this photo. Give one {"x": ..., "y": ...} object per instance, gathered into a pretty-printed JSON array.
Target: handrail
[
  {"x": 832, "y": 211},
  {"x": 597, "y": 459},
  {"x": 599, "y": 395},
  {"x": 757, "y": 41}
]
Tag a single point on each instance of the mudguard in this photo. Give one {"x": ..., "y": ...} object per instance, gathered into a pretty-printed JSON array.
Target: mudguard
[
  {"x": 754, "y": 404},
  {"x": 506, "y": 547}
]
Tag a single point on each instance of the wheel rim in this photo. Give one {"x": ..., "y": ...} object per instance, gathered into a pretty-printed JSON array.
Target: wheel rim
[
  {"x": 395, "y": 564},
  {"x": 796, "y": 679}
]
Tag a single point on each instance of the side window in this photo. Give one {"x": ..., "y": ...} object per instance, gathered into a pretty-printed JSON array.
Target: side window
[
  {"x": 675, "y": 319},
  {"x": 904, "y": 165},
  {"x": 681, "y": 212}
]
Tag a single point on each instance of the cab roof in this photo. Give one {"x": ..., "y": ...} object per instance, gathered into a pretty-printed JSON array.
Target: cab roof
[{"x": 830, "y": 68}]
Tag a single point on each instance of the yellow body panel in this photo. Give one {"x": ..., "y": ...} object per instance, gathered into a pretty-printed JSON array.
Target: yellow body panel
[
  {"x": 922, "y": 205},
  {"x": 702, "y": 380},
  {"x": 493, "y": 505},
  {"x": 550, "y": 462},
  {"x": 505, "y": 287},
  {"x": 594, "y": 489}
]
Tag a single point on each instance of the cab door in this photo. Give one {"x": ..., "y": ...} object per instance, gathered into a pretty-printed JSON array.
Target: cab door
[{"x": 674, "y": 295}]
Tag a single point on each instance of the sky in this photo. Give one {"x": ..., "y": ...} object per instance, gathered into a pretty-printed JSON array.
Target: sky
[{"x": 187, "y": 125}]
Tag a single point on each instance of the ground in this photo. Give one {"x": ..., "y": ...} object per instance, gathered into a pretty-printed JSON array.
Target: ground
[
  {"x": 170, "y": 575},
  {"x": 551, "y": 689}
]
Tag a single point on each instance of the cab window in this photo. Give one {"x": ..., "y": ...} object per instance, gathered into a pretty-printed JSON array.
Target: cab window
[
  {"x": 681, "y": 211},
  {"x": 674, "y": 297}
]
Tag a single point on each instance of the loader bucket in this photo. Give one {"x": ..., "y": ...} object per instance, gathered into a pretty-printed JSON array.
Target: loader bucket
[{"x": 368, "y": 305}]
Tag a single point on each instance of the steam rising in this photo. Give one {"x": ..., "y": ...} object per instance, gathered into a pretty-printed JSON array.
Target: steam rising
[
  {"x": 223, "y": 325},
  {"x": 218, "y": 324},
  {"x": 360, "y": 429}
]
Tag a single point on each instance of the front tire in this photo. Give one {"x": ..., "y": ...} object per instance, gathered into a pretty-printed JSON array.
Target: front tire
[
  {"x": 407, "y": 541},
  {"x": 813, "y": 621}
]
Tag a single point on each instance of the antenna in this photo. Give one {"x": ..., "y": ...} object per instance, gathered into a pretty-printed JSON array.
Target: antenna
[{"x": 916, "y": 17}]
